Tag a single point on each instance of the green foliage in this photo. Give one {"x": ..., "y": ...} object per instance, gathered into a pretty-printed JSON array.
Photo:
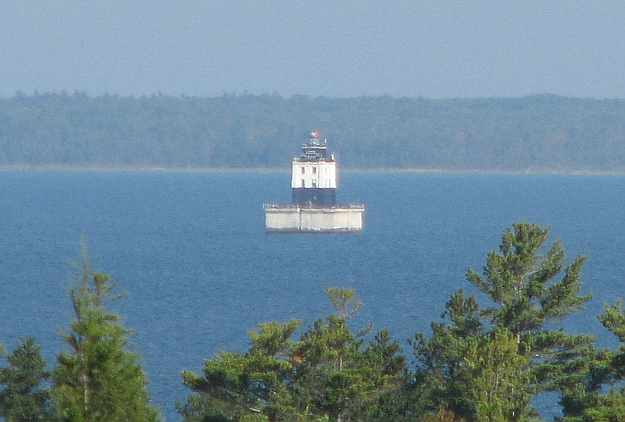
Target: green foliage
[
  {"x": 443, "y": 415},
  {"x": 613, "y": 318},
  {"x": 98, "y": 379},
  {"x": 527, "y": 293},
  {"x": 585, "y": 400},
  {"x": 496, "y": 378},
  {"x": 469, "y": 372},
  {"x": 328, "y": 374},
  {"x": 486, "y": 363},
  {"x": 345, "y": 302},
  {"x": 235, "y": 385},
  {"x": 24, "y": 395},
  {"x": 538, "y": 132}
]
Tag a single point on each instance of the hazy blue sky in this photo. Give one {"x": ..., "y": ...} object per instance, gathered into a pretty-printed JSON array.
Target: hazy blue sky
[{"x": 332, "y": 48}]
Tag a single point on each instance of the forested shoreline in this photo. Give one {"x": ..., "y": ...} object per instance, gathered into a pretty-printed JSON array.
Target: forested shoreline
[
  {"x": 536, "y": 133},
  {"x": 485, "y": 359}
]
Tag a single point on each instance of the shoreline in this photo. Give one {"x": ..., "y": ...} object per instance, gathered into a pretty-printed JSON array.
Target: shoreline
[{"x": 414, "y": 170}]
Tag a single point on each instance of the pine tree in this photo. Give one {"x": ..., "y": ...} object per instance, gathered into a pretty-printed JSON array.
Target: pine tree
[
  {"x": 584, "y": 398},
  {"x": 497, "y": 378},
  {"x": 98, "y": 380},
  {"x": 339, "y": 375},
  {"x": 24, "y": 395},
  {"x": 469, "y": 371},
  {"x": 238, "y": 385},
  {"x": 529, "y": 290},
  {"x": 325, "y": 375},
  {"x": 526, "y": 290}
]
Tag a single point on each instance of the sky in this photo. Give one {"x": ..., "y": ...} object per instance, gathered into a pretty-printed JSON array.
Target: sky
[{"x": 436, "y": 49}]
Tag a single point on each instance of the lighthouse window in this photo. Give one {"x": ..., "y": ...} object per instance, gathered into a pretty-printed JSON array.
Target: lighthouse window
[
  {"x": 314, "y": 170},
  {"x": 303, "y": 170}
]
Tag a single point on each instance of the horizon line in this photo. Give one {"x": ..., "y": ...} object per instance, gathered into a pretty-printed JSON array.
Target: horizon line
[
  {"x": 19, "y": 93},
  {"x": 28, "y": 168}
]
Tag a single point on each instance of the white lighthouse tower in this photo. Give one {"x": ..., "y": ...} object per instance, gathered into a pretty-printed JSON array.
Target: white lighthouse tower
[
  {"x": 313, "y": 174},
  {"x": 313, "y": 206}
]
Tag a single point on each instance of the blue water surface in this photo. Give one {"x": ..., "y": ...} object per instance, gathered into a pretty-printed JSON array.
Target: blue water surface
[{"x": 190, "y": 253}]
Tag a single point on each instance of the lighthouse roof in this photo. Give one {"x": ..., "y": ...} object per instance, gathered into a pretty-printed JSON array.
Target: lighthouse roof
[{"x": 315, "y": 149}]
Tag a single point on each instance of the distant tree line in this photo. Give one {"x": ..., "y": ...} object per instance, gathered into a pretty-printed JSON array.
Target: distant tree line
[
  {"x": 541, "y": 132},
  {"x": 481, "y": 362}
]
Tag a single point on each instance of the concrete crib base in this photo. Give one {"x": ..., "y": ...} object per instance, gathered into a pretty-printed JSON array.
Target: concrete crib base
[{"x": 290, "y": 218}]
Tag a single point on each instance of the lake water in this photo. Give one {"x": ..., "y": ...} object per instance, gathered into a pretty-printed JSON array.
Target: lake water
[{"x": 190, "y": 252}]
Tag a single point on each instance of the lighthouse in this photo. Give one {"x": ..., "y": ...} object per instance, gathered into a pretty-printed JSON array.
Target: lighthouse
[
  {"x": 313, "y": 206},
  {"x": 313, "y": 174}
]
